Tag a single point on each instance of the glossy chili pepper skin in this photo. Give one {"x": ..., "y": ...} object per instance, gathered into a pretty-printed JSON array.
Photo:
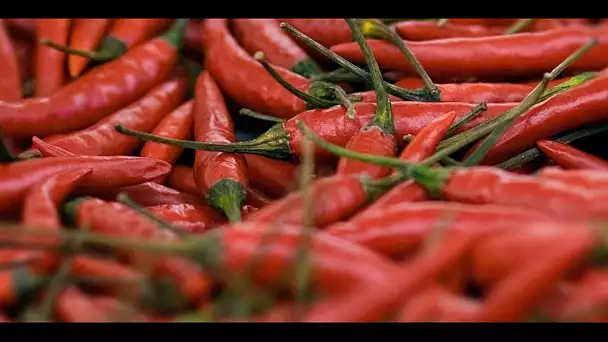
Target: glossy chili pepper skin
[
  {"x": 50, "y": 63},
  {"x": 326, "y": 31},
  {"x": 265, "y": 35},
  {"x": 332, "y": 263},
  {"x": 569, "y": 157},
  {"x": 487, "y": 185},
  {"x": 251, "y": 87},
  {"x": 335, "y": 198},
  {"x": 580, "y": 105},
  {"x": 522, "y": 290},
  {"x": 486, "y": 57},
  {"x": 191, "y": 218},
  {"x": 427, "y": 30},
  {"x": 10, "y": 83},
  {"x": 98, "y": 93},
  {"x": 402, "y": 228},
  {"x": 274, "y": 177},
  {"x": 128, "y": 33},
  {"x": 177, "y": 124},
  {"x": 373, "y": 141},
  {"x": 221, "y": 177},
  {"x": 86, "y": 36},
  {"x": 144, "y": 114},
  {"x": 17, "y": 178},
  {"x": 589, "y": 180},
  {"x": 100, "y": 216},
  {"x": 75, "y": 306}
]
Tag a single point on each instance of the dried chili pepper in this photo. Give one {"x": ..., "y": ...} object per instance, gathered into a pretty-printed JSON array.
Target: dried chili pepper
[
  {"x": 98, "y": 93},
  {"x": 485, "y": 57},
  {"x": 10, "y": 84},
  {"x": 86, "y": 36},
  {"x": 571, "y": 158},
  {"x": 177, "y": 124},
  {"x": 221, "y": 177},
  {"x": 50, "y": 63},
  {"x": 16, "y": 178},
  {"x": 265, "y": 35},
  {"x": 99, "y": 217}
]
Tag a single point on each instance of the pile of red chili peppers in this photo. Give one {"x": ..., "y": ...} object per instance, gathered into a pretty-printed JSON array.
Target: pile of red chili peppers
[{"x": 315, "y": 170}]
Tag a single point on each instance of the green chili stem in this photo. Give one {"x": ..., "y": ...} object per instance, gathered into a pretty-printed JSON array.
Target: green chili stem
[
  {"x": 480, "y": 108},
  {"x": 384, "y": 114},
  {"x": 533, "y": 153},
  {"x": 344, "y": 99},
  {"x": 462, "y": 140},
  {"x": 126, "y": 200},
  {"x": 394, "y": 90},
  {"x": 260, "y": 116},
  {"x": 377, "y": 29},
  {"x": 91, "y": 55},
  {"x": 518, "y": 26},
  {"x": 571, "y": 83},
  {"x": 312, "y": 100}
]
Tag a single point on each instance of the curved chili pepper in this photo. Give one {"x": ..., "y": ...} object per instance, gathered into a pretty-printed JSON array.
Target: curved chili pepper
[
  {"x": 189, "y": 217},
  {"x": 571, "y": 158},
  {"x": 517, "y": 294},
  {"x": 144, "y": 114},
  {"x": 273, "y": 177},
  {"x": 402, "y": 228},
  {"x": 50, "y": 63},
  {"x": 10, "y": 83},
  {"x": 265, "y": 35},
  {"x": 485, "y": 57},
  {"x": 378, "y": 137},
  {"x": 220, "y": 176},
  {"x": 283, "y": 140},
  {"x": 75, "y": 306},
  {"x": 578, "y": 106},
  {"x": 178, "y": 125},
  {"x": 437, "y": 304},
  {"x": 181, "y": 178},
  {"x": 100, "y": 216},
  {"x": 417, "y": 30},
  {"x": 336, "y": 265},
  {"x": 16, "y": 178},
  {"x": 96, "y": 94},
  {"x": 86, "y": 36},
  {"x": 384, "y": 298},
  {"x": 252, "y": 87}
]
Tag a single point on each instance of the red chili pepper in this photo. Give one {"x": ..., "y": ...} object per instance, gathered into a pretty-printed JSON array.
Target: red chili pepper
[
  {"x": 589, "y": 180},
  {"x": 571, "y": 158},
  {"x": 252, "y": 86},
  {"x": 335, "y": 265},
  {"x": 421, "y": 147},
  {"x": 546, "y": 24},
  {"x": 16, "y": 178},
  {"x": 117, "y": 310},
  {"x": 417, "y": 30},
  {"x": 10, "y": 83},
  {"x": 482, "y": 21},
  {"x": 265, "y": 35},
  {"x": 283, "y": 140},
  {"x": 499, "y": 255},
  {"x": 587, "y": 301},
  {"x": 24, "y": 49},
  {"x": 578, "y": 106},
  {"x": 96, "y": 94},
  {"x": 437, "y": 304},
  {"x": 75, "y": 306},
  {"x": 86, "y": 36},
  {"x": 50, "y": 63},
  {"x": 101, "y": 216},
  {"x": 273, "y": 177},
  {"x": 517, "y": 294},
  {"x": 181, "y": 178},
  {"x": 178, "y": 125},
  {"x": 402, "y": 228},
  {"x": 526, "y": 54},
  {"x": 384, "y": 298},
  {"x": 378, "y": 137},
  {"x": 478, "y": 92},
  {"x": 128, "y": 33},
  {"x": 220, "y": 176},
  {"x": 144, "y": 114},
  {"x": 189, "y": 217},
  {"x": 128, "y": 282},
  {"x": 327, "y": 32}
]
